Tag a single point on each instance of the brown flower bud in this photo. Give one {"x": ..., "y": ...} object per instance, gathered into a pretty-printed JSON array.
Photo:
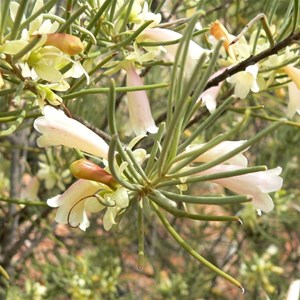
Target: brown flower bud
[
  {"x": 85, "y": 169},
  {"x": 66, "y": 43}
]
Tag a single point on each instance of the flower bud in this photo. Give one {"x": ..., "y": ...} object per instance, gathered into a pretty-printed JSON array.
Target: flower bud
[
  {"x": 67, "y": 43},
  {"x": 220, "y": 32},
  {"x": 85, "y": 169}
]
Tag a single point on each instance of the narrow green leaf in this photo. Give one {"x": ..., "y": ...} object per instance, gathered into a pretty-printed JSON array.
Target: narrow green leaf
[{"x": 191, "y": 251}]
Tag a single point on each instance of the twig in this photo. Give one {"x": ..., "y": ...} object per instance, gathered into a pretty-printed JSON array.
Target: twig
[{"x": 253, "y": 60}]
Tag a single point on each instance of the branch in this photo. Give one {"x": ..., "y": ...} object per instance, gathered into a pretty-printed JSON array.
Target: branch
[{"x": 253, "y": 60}]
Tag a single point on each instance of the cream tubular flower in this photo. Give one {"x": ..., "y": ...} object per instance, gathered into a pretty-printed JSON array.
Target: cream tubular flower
[
  {"x": 257, "y": 185},
  {"x": 74, "y": 203},
  {"x": 294, "y": 100},
  {"x": 245, "y": 81},
  {"x": 221, "y": 149},
  {"x": 293, "y": 73},
  {"x": 138, "y": 105},
  {"x": 58, "y": 129},
  {"x": 164, "y": 35},
  {"x": 294, "y": 90}
]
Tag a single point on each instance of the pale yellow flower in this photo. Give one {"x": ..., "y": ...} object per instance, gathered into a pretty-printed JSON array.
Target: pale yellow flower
[
  {"x": 75, "y": 202},
  {"x": 79, "y": 199},
  {"x": 245, "y": 81}
]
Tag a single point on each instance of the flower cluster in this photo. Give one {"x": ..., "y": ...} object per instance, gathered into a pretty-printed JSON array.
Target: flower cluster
[
  {"x": 95, "y": 183},
  {"x": 84, "y": 195},
  {"x": 41, "y": 54},
  {"x": 259, "y": 76}
]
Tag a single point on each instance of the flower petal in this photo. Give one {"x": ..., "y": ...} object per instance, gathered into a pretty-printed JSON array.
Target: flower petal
[
  {"x": 47, "y": 72},
  {"x": 263, "y": 202},
  {"x": 109, "y": 218},
  {"x": 255, "y": 184},
  {"x": 138, "y": 105},
  {"x": 163, "y": 35},
  {"x": 55, "y": 201},
  {"x": 121, "y": 197},
  {"x": 58, "y": 129},
  {"x": 293, "y": 73},
  {"x": 221, "y": 149},
  {"x": 294, "y": 100},
  {"x": 294, "y": 290},
  {"x": 71, "y": 204},
  {"x": 13, "y": 47},
  {"x": 85, "y": 223},
  {"x": 93, "y": 205},
  {"x": 244, "y": 81}
]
